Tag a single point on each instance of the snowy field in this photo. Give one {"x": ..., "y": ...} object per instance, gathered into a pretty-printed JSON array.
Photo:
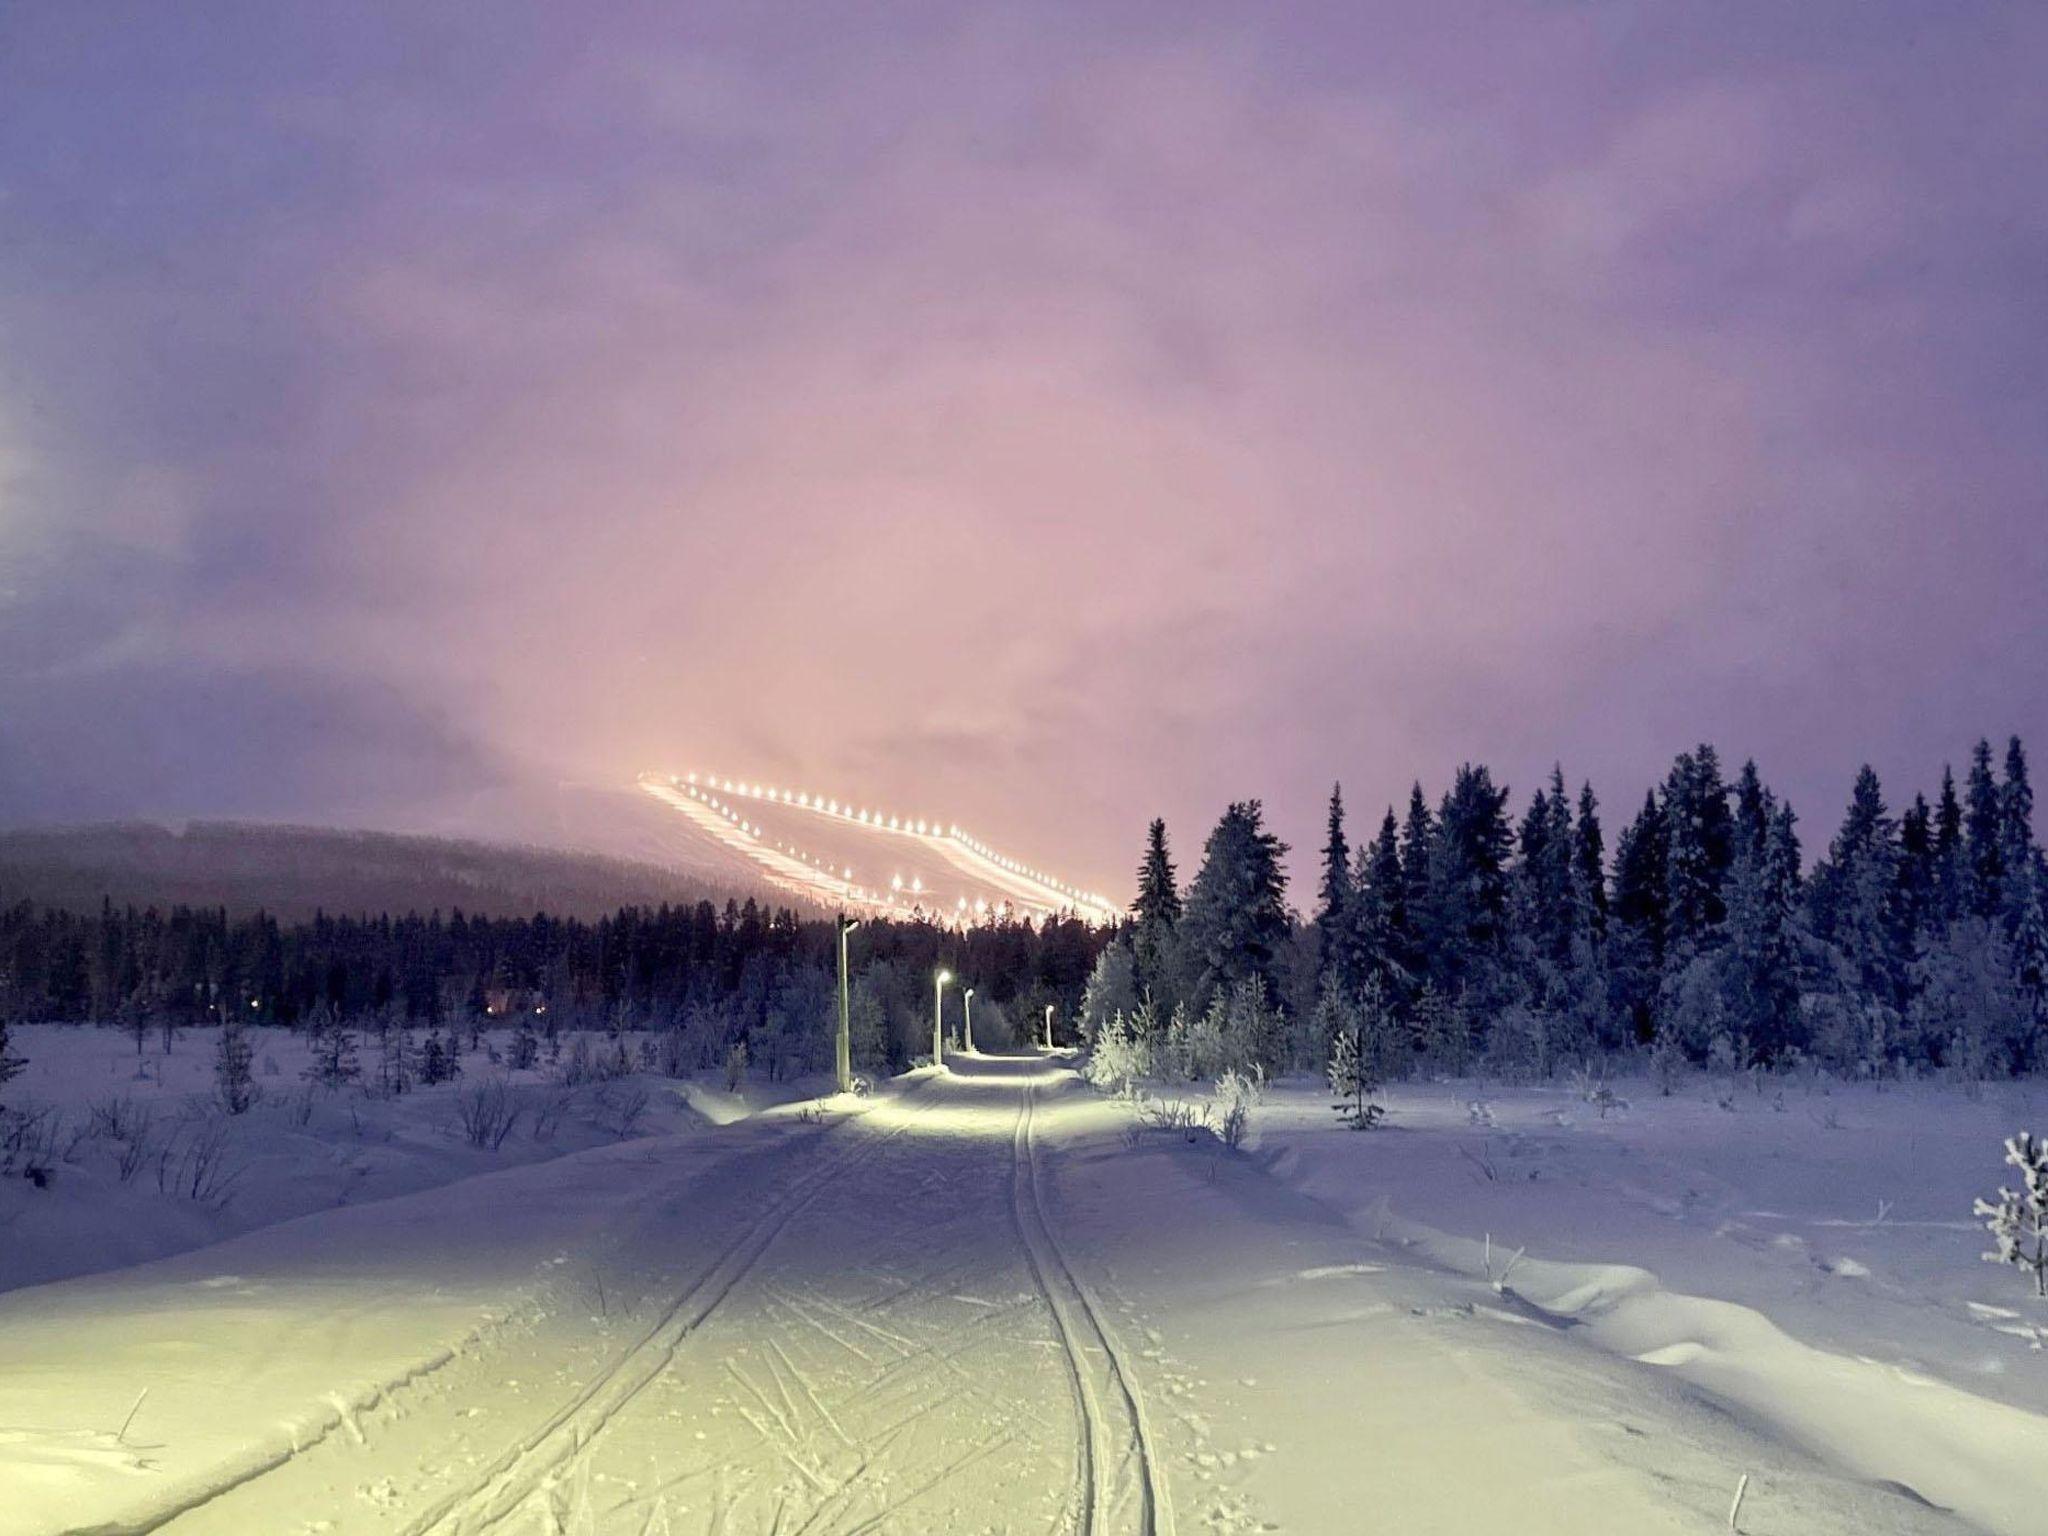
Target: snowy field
[
  {"x": 992, "y": 1300},
  {"x": 129, "y": 1134}
]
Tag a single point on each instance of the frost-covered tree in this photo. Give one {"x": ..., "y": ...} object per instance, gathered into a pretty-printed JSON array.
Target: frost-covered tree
[
  {"x": 2018, "y": 1218},
  {"x": 1468, "y": 880},
  {"x": 1589, "y": 861},
  {"x": 1236, "y": 919},
  {"x": 439, "y": 1062},
  {"x": 1112, "y": 989},
  {"x": 1965, "y": 1010},
  {"x": 1636, "y": 928},
  {"x": 1119, "y": 1057},
  {"x": 1854, "y": 898},
  {"x": 1699, "y": 849},
  {"x": 1759, "y": 967},
  {"x": 1358, "y": 1028},
  {"x": 1984, "y": 835},
  {"x": 1156, "y": 913},
  {"x": 234, "y": 1085},
  {"x": 334, "y": 1055},
  {"x": 1386, "y": 946}
]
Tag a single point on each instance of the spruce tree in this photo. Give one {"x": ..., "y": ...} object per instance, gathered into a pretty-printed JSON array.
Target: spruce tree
[
  {"x": 2016, "y": 829},
  {"x": 1157, "y": 911},
  {"x": 1418, "y": 845},
  {"x": 1589, "y": 860},
  {"x": 1380, "y": 874},
  {"x": 1236, "y": 919},
  {"x": 1700, "y": 835},
  {"x": 1855, "y": 894},
  {"x": 1951, "y": 877},
  {"x": 1636, "y": 929},
  {"x": 1333, "y": 895},
  {"x": 1469, "y": 876},
  {"x": 1984, "y": 836}
]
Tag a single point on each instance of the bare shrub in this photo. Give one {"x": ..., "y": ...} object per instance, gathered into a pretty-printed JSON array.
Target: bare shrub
[
  {"x": 620, "y": 1108},
  {"x": 196, "y": 1165},
  {"x": 548, "y": 1106},
  {"x": 487, "y": 1113}
]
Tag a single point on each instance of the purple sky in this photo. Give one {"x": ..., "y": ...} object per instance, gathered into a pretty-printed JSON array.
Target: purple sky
[{"x": 1056, "y": 415}]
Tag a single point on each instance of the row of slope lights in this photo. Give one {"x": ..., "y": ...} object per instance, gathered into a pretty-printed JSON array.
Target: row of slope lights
[
  {"x": 753, "y": 830},
  {"x": 918, "y": 828}
]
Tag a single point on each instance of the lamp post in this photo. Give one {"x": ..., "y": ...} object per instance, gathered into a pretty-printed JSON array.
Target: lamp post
[
  {"x": 938, "y": 1017},
  {"x": 1048, "y": 1026},
  {"x": 843, "y": 1056},
  {"x": 967, "y": 1008}
]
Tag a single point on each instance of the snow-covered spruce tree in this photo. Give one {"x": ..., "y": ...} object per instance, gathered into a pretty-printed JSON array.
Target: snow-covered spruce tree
[
  {"x": 525, "y": 1052},
  {"x": 1157, "y": 912},
  {"x": 438, "y": 1063},
  {"x": 334, "y": 1056},
  {"x": 233, "y": 1084},
  {"x": 1112, "y": 989},
  {"x": 1358, "y": 1029},
  {"x": 1119, "y": 1057},
  {"x": 1335, "y": 957},
  {"x": 2018, "y": 1218},
  {"x": 397, "y": 1066},
  {"x": 1236, "y": 919}
]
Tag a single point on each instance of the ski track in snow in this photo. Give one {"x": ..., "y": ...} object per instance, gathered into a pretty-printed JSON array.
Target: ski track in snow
[{"x": 1116, "y": 1458}]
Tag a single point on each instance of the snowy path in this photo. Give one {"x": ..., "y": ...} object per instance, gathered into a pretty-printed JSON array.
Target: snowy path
[{"x": 970, "y": 1307}]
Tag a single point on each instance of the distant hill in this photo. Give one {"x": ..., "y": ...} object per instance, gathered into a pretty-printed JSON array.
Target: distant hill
[{"x": 291, "y": 871}]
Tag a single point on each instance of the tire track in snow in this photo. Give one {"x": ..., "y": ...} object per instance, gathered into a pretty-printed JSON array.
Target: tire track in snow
[
  {"x": 1114, "y": 1435},
  {"x": 524, "y": 1469}
]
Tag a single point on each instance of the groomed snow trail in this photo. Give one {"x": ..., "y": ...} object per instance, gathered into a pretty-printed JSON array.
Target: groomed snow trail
[
  {"x": 972, "y": 1304},
  {"x": 1119, "y": 1467}
]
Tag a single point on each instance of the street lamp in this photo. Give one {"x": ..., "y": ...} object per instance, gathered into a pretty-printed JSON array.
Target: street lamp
[
  {"x": 967, "y": 1007},
  {"x": 843, "y": 1057},
  {"x": 938, "y": 1017},
  {"x": 1048, "y": 1026}
]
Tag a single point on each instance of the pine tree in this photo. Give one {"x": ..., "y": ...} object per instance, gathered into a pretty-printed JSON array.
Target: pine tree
[
  {"x": 233, "y": 1083},
  {"x": 1236, "y": 918}
]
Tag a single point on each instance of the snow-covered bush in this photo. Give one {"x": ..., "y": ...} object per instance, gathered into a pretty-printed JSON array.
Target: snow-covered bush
[
  {"x": 1112, "y": 990},
  {"x": 735, "y": 1066},
  {"x": 2018, "y": 1218},
  {"x": 234, "y": 1084},
  {"x": 1231, "y": 1104},
  {"x": 1120, "y": 1057}
]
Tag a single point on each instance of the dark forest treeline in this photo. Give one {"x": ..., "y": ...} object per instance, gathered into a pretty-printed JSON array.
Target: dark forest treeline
[
  {"x": 1458, "y": 935},
  {"x": 740, "y": 972}
]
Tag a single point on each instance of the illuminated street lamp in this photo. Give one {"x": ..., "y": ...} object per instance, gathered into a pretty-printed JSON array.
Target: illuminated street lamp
[
  {"x": 938, "y": 1017},
  {"x": 1048, "y": 1026},
  {"x": 843, "y": 1056},
  {"x": 967, "y": 1007}
]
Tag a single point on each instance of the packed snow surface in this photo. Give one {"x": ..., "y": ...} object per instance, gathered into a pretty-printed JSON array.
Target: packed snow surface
[{"x": 990, "y": 1300}]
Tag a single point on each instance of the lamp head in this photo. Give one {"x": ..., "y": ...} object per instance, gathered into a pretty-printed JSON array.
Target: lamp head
[{"x": 944, "y": 977}]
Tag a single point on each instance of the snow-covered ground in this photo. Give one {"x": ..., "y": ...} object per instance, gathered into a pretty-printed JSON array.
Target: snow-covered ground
[
  {"x": 981, "y": 1301},
  {"x": 127, "y": 1128}
]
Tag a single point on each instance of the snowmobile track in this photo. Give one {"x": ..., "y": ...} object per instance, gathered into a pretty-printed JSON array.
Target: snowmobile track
[{"x": 1115, "y": 1438}]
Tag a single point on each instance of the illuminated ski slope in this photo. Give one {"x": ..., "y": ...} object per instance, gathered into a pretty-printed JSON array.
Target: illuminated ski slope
[{"x": 870, "y": 860}]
